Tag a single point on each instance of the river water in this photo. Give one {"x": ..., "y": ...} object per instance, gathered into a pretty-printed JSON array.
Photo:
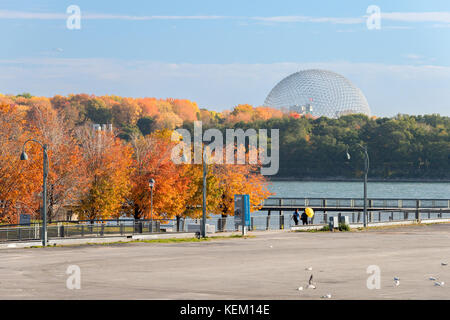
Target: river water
[
  {"x": 322, "y": 189},
  {"x": 325, "y": 189}
]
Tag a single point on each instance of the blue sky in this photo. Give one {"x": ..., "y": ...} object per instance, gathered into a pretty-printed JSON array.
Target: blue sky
[{"x": 224, "y": 53}]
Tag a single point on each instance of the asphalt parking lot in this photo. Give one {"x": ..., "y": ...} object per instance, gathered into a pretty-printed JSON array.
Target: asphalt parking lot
[{"x": 269, "y": 265}]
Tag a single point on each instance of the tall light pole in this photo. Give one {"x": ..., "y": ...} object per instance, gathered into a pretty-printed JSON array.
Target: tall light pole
[
  {"x": 205, "y": 173},
  {"x": 366, "y": 173},
  {"x": 151, "y": 184},
  {"x": 24, "y": 156}
]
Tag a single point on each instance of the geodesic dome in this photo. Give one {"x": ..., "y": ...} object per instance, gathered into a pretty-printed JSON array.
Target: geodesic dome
[{"x": 319, "y": 93}]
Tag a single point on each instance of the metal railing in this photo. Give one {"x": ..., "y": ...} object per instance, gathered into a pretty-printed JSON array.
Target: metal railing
[
  {"x": 258, "y": 222},
  {"x": 377, "y": 203},
  {"x": 80, "y": 229}
]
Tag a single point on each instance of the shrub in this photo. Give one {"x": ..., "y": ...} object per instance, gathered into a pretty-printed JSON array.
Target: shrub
[{"x": 344, "y": 227}]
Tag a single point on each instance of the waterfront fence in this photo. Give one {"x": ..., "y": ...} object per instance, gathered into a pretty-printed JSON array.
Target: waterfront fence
[{"x": 259, "y": 222}]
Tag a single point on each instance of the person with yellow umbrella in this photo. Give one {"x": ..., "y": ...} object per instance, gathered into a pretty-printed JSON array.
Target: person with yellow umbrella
[{"x": 308, "y": 213}]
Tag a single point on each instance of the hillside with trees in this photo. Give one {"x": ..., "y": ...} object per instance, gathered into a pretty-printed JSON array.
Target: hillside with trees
[
  {"x": 402, "y": 147},
  {"x": 106, "y": 173}
]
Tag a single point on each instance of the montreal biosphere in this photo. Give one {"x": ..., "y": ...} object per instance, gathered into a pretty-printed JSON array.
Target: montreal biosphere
[{"x": 318, "y": 93}]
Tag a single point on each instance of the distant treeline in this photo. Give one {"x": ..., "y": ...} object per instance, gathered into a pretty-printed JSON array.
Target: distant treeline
[{"x": 403, "y": 147}]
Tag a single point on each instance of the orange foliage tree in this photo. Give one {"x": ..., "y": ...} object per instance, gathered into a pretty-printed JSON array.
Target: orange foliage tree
[
  {"x": 152, "y": 160},
  {"x": 19, "y": 180},
  {"x": 109, "y": 167},
  {"x": 223, "y": 182},
  {"x": 67, "y": 174}
]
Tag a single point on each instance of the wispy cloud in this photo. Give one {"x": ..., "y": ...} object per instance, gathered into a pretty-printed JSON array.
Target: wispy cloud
[
  {"x": 287, "y": 19},
  {"x": 441, "y": 25},
  {"x": 413, "y": 56},
  {"x": 7, "y": 14},
  {"x": 411, "y": 17},
  {"x": 397, "y": 27},
  {"x": 437, "y": 17}
]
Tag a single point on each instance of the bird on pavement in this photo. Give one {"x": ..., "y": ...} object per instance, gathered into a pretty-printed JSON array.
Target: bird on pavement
[
  {"x": 310, "y": 283},
  {"x": 397, "y": 281}
]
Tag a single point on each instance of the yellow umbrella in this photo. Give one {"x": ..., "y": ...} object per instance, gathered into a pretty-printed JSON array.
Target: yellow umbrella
[{"x": 309, "y": 212}]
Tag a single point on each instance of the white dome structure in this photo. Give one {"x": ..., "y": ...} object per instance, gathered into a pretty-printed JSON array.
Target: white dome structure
[{"x": 319, "y": 93}]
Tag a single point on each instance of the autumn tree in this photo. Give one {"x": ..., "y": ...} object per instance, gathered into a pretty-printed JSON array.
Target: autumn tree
[
  {"x": 152, "y": 160},
  {"x": 109, "y": 167},
  {"x": 240, "y": 179},
  {"x": 98, "y": 112},
  {"x": 185, "y": 109},
  {"x": 146, "y": 125},
  {"x": 19, "y": 180},
  {"x": 67, "y": 174},
  {"x": 223, "y": 182},
  {"x": 126, "y": 113}
]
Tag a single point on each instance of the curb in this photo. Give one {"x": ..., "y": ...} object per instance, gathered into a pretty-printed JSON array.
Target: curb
[{"x": 377, "y": 224}]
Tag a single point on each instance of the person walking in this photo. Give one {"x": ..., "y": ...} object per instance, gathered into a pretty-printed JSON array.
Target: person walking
[
  {"x": 295, "y": 216},
  {"x": 304, "y": 218}
]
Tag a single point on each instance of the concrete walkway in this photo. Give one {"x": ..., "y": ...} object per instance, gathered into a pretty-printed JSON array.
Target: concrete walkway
[{"x": 270, "y": 265}]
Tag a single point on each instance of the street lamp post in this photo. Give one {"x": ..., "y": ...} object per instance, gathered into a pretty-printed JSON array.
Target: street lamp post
[
  {"x": 205, "y": 173},
  {"x": 24, "y": 156},
  {"x": 366, "y": 173},
  {"x": 151, "y": 184}
]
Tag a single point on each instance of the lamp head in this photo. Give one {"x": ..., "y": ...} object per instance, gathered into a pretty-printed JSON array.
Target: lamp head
[
  {"x": 24, "y": 156},
  {"x": 151, "y": 183}
]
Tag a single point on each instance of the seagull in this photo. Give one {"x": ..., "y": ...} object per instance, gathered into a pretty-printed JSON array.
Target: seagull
[
  {"x": 270, "y": 246},
  {"x": 439, "y": 284},
  {"x": 328, "y": 296},
  {"x": 309, "y": 269},
  {"x": 310, "y": 283},
  {"x": 300, "y": 289},
  {"x": 444, "y": 263}
]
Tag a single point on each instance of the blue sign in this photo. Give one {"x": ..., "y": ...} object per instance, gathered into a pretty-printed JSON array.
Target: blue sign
[
  {"x": 25, "y": 219},
  {"x": 242, "y": 208}
]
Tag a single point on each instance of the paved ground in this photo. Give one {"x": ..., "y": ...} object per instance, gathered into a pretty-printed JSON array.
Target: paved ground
[{"x": 269, "y": 266}]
